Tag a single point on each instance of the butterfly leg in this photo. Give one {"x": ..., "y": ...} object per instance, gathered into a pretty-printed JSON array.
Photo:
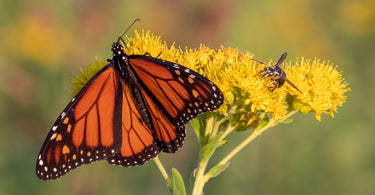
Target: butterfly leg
[{"x": 148, "y": 54}]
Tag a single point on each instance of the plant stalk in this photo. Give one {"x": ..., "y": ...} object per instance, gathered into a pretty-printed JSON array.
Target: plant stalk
[{"x": 161, "y": 167}]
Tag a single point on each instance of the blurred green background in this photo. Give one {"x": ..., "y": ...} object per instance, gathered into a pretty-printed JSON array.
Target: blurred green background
[{"x": 44, "y": 43}]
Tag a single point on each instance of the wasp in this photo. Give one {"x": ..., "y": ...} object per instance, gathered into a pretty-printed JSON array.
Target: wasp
[{"x": 276, "y": 74}]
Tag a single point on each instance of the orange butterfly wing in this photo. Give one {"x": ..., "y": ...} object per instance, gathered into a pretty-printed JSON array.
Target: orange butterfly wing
[
  {"x": 125, "y": 113},
  {"x": 138, "y": 144},
  {"x": 173, "y": 95},
  {"x": 100, "y": 122},
  {"x": 168, "y": 136},
  {"x": 85, "y": 131}
]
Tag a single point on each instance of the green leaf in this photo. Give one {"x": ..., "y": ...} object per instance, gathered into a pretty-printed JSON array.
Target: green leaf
[
  {"x": 264, "y": 122},
  {"x": 222, "y": 142},
  {"x": 198, "y": 127},
  {"x": 215, "y": 171},
  {"x": 287, "y": 121},
  {"x": 208, "y": 149},
  {"x": 176, "y": 183},
  {"x": 170, "y": 183}
]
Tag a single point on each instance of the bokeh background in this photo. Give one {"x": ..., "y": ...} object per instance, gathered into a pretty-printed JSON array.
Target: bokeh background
[{"x": 44, "y": 43}]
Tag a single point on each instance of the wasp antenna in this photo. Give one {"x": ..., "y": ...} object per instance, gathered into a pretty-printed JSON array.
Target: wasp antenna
[
  {"x": 282, "y": 58},
  {"x": 259, "y": 72},
  {"x": 120, "y": 37},
  {"x": 258, "y": 61}
]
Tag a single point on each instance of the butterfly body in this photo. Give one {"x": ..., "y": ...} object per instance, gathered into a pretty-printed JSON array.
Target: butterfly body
[{"x": 133, "y": 108}]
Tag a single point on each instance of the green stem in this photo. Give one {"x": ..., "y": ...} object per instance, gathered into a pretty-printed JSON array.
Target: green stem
[
  {"x": 252, "y": 136},
  {"x": 242, "y": 145},
  {"x": 161, "y": 167},
  {"x": 215, "y": 127},
  {"x": 209, "y": 126},
  {"x": 229, "y": 129},
  {"x": 200, "y": 180}
]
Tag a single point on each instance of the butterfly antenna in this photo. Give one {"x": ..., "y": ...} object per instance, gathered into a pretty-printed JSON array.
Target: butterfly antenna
[{"x": 120, "y": 37}]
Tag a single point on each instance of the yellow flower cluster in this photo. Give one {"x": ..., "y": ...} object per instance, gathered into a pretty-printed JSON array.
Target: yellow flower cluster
[
  {"x": 323, "y": 85},
  {"x": 234, "y": 73}
]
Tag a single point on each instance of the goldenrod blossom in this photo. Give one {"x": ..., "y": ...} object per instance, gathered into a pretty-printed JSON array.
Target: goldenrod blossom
[
  {"x": 233, "y": 72},
  {"x": 249, "y": 103}
]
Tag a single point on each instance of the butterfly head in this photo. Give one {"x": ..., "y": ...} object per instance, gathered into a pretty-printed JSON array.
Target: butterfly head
[
  {"x": 120, "y": 59},
  {"x": 118, "y": 50}
]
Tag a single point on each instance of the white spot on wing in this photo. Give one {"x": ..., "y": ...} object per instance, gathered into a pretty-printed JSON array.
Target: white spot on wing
[
  {"x": 53, "y": 136},
  {"x": 63, "y": 115}
]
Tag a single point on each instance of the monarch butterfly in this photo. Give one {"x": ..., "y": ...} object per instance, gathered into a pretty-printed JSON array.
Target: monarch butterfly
[
  {"x": 126, "y": 113},
  {"x": 278, "y": 76}
]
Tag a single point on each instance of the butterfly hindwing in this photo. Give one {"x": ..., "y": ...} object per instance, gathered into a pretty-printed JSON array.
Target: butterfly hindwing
[
  {"x": 169, "y": 137},
  {"x": 85, "y": 131},
  {"x": 138, "y": 144}
]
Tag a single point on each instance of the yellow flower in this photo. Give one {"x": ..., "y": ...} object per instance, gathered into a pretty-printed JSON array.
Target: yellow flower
[
  {"x": 247, "y": 97},
  {"x": 323, "y": 85}
]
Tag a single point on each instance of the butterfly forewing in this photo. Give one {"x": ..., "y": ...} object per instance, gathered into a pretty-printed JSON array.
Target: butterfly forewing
[
  {"x": 179, "y": 92},
  {"x": 85, "y": 131}
]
